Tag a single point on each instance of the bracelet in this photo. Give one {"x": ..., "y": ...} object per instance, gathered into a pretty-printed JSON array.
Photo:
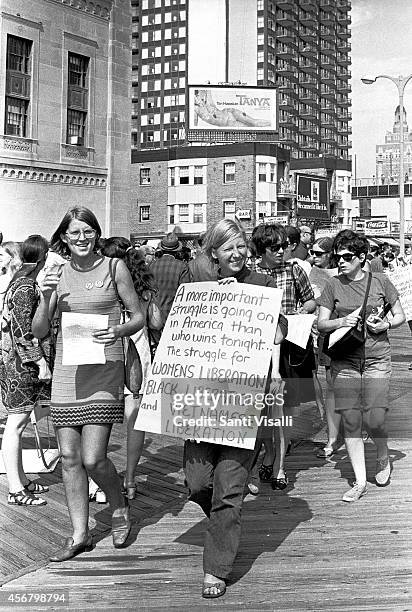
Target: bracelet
[{"x": 390, "y": 325}]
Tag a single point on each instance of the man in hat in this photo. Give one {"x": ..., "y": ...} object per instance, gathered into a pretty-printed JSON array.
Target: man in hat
[{"x": 169, "y": 272}]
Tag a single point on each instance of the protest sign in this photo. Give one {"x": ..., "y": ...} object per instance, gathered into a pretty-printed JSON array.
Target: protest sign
[
  {"x": 208, "y": 378},
  {"x": 401, "y": 277}
]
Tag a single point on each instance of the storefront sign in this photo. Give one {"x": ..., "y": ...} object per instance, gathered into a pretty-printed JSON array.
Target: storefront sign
[{"x": 312, "y": 197}]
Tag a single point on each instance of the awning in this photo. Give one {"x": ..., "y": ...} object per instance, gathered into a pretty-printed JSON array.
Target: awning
[
  {"x": 374, "y": 242},
  {"x": 390, "y": 241}
]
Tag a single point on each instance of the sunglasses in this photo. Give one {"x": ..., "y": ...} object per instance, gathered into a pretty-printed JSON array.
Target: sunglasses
[
  {"x": 275, "y": 248},
  {"x": 345, "y": 256},
  {"x": 318, "y": 253}
]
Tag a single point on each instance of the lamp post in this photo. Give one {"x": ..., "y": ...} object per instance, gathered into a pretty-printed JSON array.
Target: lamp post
[{"x": 400, "y": 83}]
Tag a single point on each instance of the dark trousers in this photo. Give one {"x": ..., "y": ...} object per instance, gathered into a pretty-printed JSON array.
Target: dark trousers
[{"x": 216, "y": 476}]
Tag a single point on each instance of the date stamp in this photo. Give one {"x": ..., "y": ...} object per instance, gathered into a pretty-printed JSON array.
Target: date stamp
[{"x": 47, "y": 597}]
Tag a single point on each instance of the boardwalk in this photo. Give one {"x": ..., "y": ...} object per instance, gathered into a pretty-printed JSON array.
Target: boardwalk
[{"x": 302, "y": 549}]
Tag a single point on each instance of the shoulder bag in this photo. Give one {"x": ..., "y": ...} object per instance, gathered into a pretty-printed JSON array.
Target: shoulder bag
[
  {"x": 355, "y": 336},
  {"x": 133, "y": 373}
]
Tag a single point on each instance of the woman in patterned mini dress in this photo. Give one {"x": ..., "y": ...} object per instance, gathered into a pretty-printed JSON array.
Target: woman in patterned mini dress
[{"x": 87, "y": 399}]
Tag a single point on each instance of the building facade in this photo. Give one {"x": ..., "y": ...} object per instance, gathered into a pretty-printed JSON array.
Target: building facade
[
  {"x": 64, "y": 113},
  {"x": 387, "y": 154},
  {"x": 301, "y": 47},
  {"x": 187, "y": 189}
]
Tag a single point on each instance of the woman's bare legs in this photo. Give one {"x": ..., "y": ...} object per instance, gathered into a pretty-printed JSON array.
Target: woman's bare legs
[
  {"x": 135, "y": 439},
  {"x": 333, "y": 418},
  {"x": 11, "y": 450},
  {"x": 75, "y": 481}
]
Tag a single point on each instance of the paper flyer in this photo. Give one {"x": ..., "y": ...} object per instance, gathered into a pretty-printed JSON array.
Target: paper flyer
[{"x": 79, "y": 347}]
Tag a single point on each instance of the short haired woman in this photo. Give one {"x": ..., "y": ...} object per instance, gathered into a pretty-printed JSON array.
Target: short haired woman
[
  {"x": 87, "y": 399},
  {"x": 361, "y": 376}
]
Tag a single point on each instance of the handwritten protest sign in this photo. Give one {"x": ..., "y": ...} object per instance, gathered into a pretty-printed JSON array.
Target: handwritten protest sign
[
  {"x": 401, "y": 277},
  {"x": 208, "y": 378}
]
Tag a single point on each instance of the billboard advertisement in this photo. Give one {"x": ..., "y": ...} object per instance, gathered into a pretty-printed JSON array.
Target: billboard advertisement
[
  {"x": 232, "y": 108},
  {"x": 312, "y": 195}
]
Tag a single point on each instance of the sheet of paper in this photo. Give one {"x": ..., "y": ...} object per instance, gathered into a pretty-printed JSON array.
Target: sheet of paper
[
  {"x": 79, "y": 347},
  {"x": 339, "y": 333},
  {"x": 299, "y": 328}
]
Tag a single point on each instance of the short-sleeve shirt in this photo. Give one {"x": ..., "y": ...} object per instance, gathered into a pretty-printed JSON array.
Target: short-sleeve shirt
[
  {"x": 293, "y": 280},
  {"x": 342, "y": 296}
]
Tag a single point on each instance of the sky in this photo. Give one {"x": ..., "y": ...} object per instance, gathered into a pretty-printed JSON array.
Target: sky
[{"x": 381, "y": 44}]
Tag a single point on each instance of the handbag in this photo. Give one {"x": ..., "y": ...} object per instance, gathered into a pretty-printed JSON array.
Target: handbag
[
  {"x": 133, "y": 372},
  {"x": 355, "y": 336},
  {"x": 154, "y": 326}
]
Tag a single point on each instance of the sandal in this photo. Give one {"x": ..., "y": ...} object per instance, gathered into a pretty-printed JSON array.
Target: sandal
[
  {"x": 220, "y": 586},
  {"x": 35, "y": 487},
  {"x": 266, "y": 473},
  {"x": 24, "y": 498},
  {"x": 279, "y": 483},
  {"x": 129, "y": 490},
  {"x": 325, "y": 452}
]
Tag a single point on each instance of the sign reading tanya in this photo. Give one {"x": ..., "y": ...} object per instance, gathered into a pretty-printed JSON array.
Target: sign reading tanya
[
  {"x": 312, "y": 197},
  {"x": 208, "y": 378},
  {"x": 251, "y": 109}
]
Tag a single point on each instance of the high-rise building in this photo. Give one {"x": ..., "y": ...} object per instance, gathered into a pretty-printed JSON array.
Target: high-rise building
[
  {"x": 301, "y": 47},
  {"x": 387, "y": 154}
]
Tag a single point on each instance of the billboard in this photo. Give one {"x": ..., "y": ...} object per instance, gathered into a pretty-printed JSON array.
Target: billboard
[
  {"x": 312, "y": 193},
  {"x": 232, "y": 108}
]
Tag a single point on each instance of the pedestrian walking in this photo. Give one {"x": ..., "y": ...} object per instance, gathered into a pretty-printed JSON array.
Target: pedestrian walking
[
  {"x": 87, "y": 399},
  {"x": 361, "y": 370}
]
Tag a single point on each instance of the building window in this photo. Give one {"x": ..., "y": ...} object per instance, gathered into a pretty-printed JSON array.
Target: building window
[
  {"x": 261, "y": 210},
  {"x": 183, "y": 213},
  {"x": 184, "y": 175},
  {"x": 262, "y": 173},
  {"x": 18, "y": 83},
  {"x": 145, "y": 176},
  {"x": 77, "y": 99},
  {"x": 198, "y": 213},
  {"x": 229, "y": 209},
  {"x": 198, "y": 179},
  {"x": 144, "y": 213},
  {"x": 272, "y": 169},
  {"x": 229, "y": 171},
  {"x": 172, "y": 177},
  {"x": 171, "y": 215}
]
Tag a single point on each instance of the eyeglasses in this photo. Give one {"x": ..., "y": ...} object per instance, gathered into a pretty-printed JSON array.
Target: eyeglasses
[
  {"x": 89, "y": 234},
  {"x": 318, "y": 253},
  {"x": 275, "y": 247},
  {"x": 345, "y": 256}
]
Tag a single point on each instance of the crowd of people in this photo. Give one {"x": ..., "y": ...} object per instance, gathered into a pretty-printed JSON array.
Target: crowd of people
[{"x": 341, "y": 279}]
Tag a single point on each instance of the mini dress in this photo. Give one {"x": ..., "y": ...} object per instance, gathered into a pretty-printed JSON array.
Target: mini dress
[{"x": 90, "y": 393}]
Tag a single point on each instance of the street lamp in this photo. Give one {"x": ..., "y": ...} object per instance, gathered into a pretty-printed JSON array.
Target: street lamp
[{"x": 400, "y": 83}]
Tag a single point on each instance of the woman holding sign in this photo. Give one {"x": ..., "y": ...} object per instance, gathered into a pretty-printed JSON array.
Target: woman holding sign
[
  {"x": 361, "y": 373},
  {"x": 87, "y": 390},
  {"x": 216, "y": 474}
]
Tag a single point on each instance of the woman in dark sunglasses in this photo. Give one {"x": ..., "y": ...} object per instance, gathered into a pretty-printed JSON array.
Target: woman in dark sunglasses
[
  {"x": 295, "y": 365},
  {"x": 361, "y": 377},
  {"x": 322, "y": 270}
]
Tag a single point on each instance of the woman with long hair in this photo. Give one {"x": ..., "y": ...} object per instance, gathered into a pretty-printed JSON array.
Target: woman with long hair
[
  {"x": 216, "y": 475},
  {"x": 143, "y": 282},
  {"x": 88, "y": 398},
  {"x": 24, "y": 369},
  {"x": 361, "y": 374}
]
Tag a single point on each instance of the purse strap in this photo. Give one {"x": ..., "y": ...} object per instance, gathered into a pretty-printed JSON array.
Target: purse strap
[
  {"x": 362, "y": 313},
  {"x": 112, "y": 269}
]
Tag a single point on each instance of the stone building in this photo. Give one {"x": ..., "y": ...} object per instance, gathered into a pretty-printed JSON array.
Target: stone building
[{"x": 64, "y": 113}]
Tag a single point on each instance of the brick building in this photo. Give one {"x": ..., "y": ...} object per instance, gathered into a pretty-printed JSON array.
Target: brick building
[
  {"x": 65, "y": 72},
  {"x": 187, "y": 189}
]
